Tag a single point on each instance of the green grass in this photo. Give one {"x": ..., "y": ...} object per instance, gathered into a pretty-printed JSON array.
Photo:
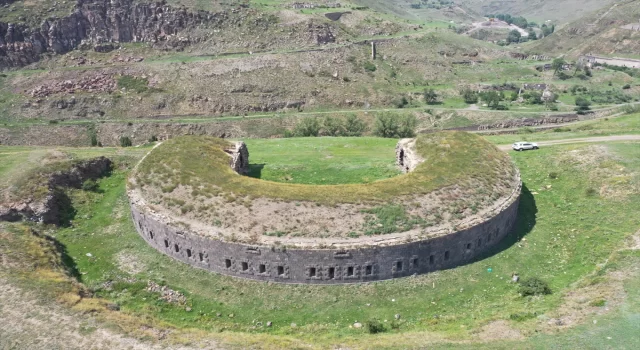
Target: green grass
[
  {"x": 623, "y": 125},
  {"x": 568, "y": 237},
  {"x": 451, "y": 157},
  {"x": 323, "y": 161}
]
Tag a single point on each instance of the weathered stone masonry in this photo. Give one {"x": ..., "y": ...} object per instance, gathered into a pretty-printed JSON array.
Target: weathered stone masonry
[
  {"x": 324, "y": 266},
  {"x": 366, "y": 262}
]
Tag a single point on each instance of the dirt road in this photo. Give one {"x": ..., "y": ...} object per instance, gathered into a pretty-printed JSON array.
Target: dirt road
[{"x": 581, "y": 140}]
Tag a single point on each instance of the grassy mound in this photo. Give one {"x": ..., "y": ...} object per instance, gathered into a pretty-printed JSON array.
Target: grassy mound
[{"x": 451, "y": 158}]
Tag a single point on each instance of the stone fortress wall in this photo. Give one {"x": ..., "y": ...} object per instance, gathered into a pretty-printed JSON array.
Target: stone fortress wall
[{"x": 325, "y": 266}]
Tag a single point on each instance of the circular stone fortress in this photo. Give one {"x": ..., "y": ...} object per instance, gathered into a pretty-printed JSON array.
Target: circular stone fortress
[{"x": 191, "y": 199}]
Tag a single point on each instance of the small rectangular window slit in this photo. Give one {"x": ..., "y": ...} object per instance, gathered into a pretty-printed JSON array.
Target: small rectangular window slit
[
  {"x": 332, "y": 273},
  {"x": 188, "y": 253},
  {"x": 166, "y": 243},
  {"x": 415, "y": 262},
  {"x": 368, "y": 270},
  {"x": 350, "y": 271},
  {"x": 280, "y": 270},
  {"x": 262, "y": 268},
  {"x": 176, "y": 248},
  {"x": 399, "y": 266},
  {"x": 432, "y": 259},
  {"x": 446, "y": 255},
  {"x": 245, "y": 266},
  {"x": 227, "y": 263},
  {"x": 201, "y": 256},
  {"x": 312, "y": 272}
]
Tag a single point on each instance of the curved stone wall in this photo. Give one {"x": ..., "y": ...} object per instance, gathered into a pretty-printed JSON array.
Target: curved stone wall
[{"x": 326, "y": 266}]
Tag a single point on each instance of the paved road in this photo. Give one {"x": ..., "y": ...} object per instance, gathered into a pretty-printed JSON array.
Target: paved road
[{"x": 581, "y": 140}]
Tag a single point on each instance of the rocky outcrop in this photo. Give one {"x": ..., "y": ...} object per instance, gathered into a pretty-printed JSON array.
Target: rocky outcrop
[
  {"x": 99, "y": 21},
  {"x": 519, "y": 123},
  {"x": 239, "y": 158},
  {"x": 50, "y": 209},
  {"x": 406, "y": 156}
]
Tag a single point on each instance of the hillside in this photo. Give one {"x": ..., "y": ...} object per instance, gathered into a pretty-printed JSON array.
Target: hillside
[
  {"x": 559, "y": 11},
  {"x": 607, "y": 31}
]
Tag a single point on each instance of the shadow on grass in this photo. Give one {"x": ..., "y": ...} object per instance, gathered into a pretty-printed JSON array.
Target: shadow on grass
[
  {"x": 255, "y": 170},
  {"x": 525, "y": 222}
]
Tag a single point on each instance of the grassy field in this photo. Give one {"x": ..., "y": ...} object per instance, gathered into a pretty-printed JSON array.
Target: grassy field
[
  {"x": 452, "y": 157},
  {"x": 623, "y": 125},
  {"x": 323, "y": 161},
  {"x": 579, "y": 205}
]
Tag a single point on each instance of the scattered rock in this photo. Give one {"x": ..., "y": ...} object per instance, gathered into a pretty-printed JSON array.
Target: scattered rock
[
  {"x": 269, "y": 323},
  {"x": 357, "y": 325},
  {"x": 397, "y": 316}
]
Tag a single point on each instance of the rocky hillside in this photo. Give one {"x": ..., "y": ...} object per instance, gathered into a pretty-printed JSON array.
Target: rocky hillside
[
  {"x": 97, "y": 21},
  {"x": 613, "y": 30}
]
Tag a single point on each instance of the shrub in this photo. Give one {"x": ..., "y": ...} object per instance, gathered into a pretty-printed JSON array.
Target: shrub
[
  {"x": 590, "y": 192},
  {"x": 132, "y": 83},
  {"x": 125, "y": 141},
  {"x": 353, "y": 126},
  {"x": 400, "y": 102},
  {"x": 153, "y": 138},
  {"x": 332, "y": 126},
  {"x": 375, "y": 326},
  {"x": 553, "y": 175},
  {"x": 94, "y": 139},
  {"x": 469, "y": 96},
  {"x": 369, "y": 66},
  {"x": 53, "y": 122},
  {"x": 386, "y": 125},
  {"x": 307, "y": 127},
  {"x": 90, "y": 185},
  {"x": 533, "y": 286},
  {"x": 626, "y": 87},
  {"x": 408, "y": 124},
  {"x": 430, "y": 96}
]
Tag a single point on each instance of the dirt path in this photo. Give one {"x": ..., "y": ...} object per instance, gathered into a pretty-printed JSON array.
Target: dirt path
[
  {"x": 581, "y": 140},
  {"x": 29, "y": 323}
]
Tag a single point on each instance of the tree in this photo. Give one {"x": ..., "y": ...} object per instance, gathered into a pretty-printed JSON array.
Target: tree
[
  {"x": 408, "y": 124},
  {"x": 557, "y": 64},
  {"x": 582, "y": 105},
  {"x": 532, "y": 34},
  {"x": 353, "y": 126},
  {"x": 332, "y": 126},
  {"x": 491, "y": 98},
  {"x": 514, "y": 36},
  {"x": 386, "y": 125},
  {"x": 430, "y": 96},
  {"x": 469, "y": 96},
  {"x": 307, "y": 127},
  {"x": 125, "y": 141}
]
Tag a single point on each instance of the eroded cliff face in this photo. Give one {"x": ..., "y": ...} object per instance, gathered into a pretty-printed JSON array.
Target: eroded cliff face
[{"x": 99, "y": 21}]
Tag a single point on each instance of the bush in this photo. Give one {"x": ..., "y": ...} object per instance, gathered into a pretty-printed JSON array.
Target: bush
[
  {"x": 131, "y": 83},
  {"x": 386, "y": 125},
  {"x": 94, "y": 139},
  {"x": 590, "y": 192},
  {"x": 553, "y": 175},
  {"x": 153, "y": 138},
  {"x": 90, "y": 185},
  {"x": 626, "y": 87},
  {"x": 369, "y": 66},
  {"x": 408, "y": 124},
  {"x": 332, "y": 126},
  {"x": 430, "y": 96},
  {"x": 533, "y": 286},
  {"x": 375, "y": 326},
  {"x": 307, "y": 127},
  {"x": 353, "y": 126},
  {"x": 125, "y": 141},
  {"x": 469, "y": 96},
  {"x": 400, "y": 102}
]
